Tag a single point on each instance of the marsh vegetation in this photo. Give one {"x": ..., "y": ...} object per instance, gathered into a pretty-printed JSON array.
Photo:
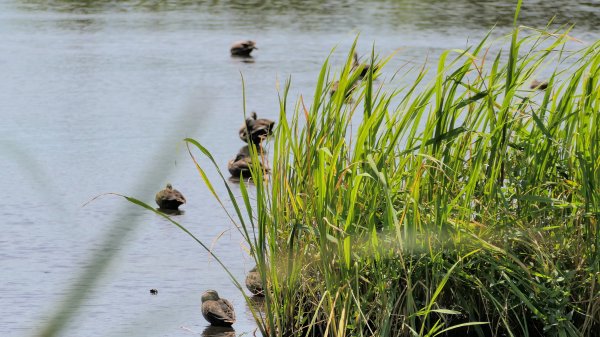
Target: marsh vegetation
[{"x": 468, "y": 205}]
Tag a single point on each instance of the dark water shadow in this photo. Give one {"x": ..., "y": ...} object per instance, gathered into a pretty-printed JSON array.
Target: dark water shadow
[
  {"x": 171, "y": 211},
  {"x": 247, "y": 180},
  {"x": 236, "y": 180},
  {"x": 243, "y": 59},
  {"x": 218, "y": 331}
]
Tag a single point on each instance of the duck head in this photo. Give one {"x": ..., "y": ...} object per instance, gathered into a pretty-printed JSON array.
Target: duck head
[{"x": 210, "y": 295}]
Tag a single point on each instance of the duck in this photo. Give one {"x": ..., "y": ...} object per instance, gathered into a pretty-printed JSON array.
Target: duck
[
  {"x": 363, "y": 67},
  {"x": 335, "y": 86},
  {"x": 256, "y": 129},
  {"x": 243, "y": 48},
  {"x": 254, "y": 283},
  {"x": 169, "y": 198},
  {"x": 241, "y": 165},
  {"x": 217, "y": 311},
  {"x": 538, "y": 85}
]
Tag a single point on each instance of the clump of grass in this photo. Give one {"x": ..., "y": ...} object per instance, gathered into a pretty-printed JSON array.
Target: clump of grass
[{"x": 468, "y": 205}]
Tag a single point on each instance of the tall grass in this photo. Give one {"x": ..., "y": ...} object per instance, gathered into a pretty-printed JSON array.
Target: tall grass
[{"x": 468, "y": 205}]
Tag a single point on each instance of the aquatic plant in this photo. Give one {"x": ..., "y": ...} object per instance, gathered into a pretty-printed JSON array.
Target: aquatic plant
[{"x": 467, "y": 205}]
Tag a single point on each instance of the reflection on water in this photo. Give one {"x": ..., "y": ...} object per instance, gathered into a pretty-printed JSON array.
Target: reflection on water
[
  {"x": 256, "y": 306},
  {"x": 171, "y": 211},
  {"x": 218, "y": 331},
  {"x": 244, "y": 59}
]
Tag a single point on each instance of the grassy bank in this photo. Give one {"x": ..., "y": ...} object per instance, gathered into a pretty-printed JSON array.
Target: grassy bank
[{"x": 466, "y": 205}]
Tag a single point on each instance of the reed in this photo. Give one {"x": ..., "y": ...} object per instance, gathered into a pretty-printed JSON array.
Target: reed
[{"x": 464, "y": 206}]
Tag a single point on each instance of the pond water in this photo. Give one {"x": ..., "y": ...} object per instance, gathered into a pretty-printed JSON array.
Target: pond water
[{"x": 97, "y": 97}]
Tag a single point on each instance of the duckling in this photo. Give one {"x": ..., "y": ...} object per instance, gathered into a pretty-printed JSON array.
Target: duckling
[
  {"x": 254, "y": 283},
  {"x": 217, "y": 311},
  {"x": 169, "y": 198},
  {"x": 256, "y": 129},
  {"x": 363, "y": 67},
  {"x": 538, "y": 85},
  {"x": 243, "y": 48}
]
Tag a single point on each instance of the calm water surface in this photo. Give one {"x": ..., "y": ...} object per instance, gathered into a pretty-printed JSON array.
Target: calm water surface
[{"x": 96, "y": 97}]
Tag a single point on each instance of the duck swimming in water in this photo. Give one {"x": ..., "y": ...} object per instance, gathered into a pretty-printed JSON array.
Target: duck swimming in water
[
  {"x": 243, "y": 48},
  {"x": 256, "y": 129},
  {"x": 169, "y": 198},
  {"x": 362, "y": 67},
  {"x": 240, "y": 166},
  {"x": 254, "y": 283},
  {"x": 217, "y": 311}
]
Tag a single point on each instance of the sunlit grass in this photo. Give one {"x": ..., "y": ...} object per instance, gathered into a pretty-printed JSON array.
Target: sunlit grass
[{"x": 469, "y": 204}]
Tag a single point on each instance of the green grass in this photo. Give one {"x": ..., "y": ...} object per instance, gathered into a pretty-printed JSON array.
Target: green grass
[{"x": 469, "y": 204}]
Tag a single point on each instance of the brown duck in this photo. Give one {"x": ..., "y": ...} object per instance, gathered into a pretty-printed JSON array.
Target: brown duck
[
  {"x": 538, "y": 85},
  {"x": 256, "y": 129},
  {"x": 217, "y": 311},
  {"x": 169, "y": 198},
  {"x": 336, "y": 85},
  {"x": 254, "y": 283},
  {"x": 243, "y": 48},
  {"x": 241, "y": 165},
  {"x": 363, "y": 67}
]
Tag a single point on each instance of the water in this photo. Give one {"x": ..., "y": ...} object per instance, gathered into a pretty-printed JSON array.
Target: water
[{"x": 96, "y": 98}]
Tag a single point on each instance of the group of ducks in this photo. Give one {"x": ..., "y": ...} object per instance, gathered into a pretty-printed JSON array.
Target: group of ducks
[
  {"x": 216, "y": 310},
  {"x": 244, "y": 49},
  {"x": 253, "y": 132},
  {"x": 219, "y": 311}
]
